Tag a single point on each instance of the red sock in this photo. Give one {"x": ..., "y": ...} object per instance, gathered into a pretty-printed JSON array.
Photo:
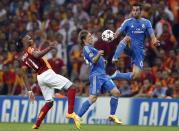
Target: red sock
[
  {"x": 71, "y": 99},
  {"x": 43, "y": 113}
]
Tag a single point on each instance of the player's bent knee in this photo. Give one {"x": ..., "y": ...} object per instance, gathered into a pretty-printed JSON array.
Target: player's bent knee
[
  {"x": 115, "y": 92},
  {"x": 135, "y": 75}
]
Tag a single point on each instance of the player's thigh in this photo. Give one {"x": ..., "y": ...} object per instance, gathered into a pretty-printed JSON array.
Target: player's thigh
[
  {"x": 47, "y": 92},
  {"x": 137, "y": 60},
  {"x": 95, "y": 86},
  {"x": 108, "y": 84},
  {"x": 59, "y": 82}
]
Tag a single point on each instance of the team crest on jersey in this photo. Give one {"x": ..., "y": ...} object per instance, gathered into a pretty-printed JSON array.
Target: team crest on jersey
[
  {"x": 91, "y": 54},
  {"x": 143, "y": 26}
]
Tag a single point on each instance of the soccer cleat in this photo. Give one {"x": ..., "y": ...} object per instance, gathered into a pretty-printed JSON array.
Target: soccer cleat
[
  {"x": 114, "y": 76},
  {"x": 35, "y": 127},
  {"x": 115, "y": 119},
  {"x": 76, "y": 119}
]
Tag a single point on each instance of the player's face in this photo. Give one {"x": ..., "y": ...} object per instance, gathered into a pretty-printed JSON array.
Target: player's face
[
  {"x": 89, "y": 39},
  {"x": 136, "y": 12},
  {"x": 28, "y": 41}
]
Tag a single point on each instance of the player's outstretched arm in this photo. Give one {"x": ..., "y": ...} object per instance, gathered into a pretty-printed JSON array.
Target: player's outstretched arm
[
  {"x": 151, "y": 33},
  {"x": 27, "y": 85},
  {"x": 39, "y": 54},
  {"x": 117, "y": 35},
  {"x": 96, "y": 58}
]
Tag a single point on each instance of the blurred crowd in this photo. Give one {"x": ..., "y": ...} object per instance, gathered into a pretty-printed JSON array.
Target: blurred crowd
[{"x": 61, "y": 20}]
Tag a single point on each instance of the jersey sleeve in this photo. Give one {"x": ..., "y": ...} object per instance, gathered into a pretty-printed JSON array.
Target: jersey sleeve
[
  {"x": 123, "y": 27},
  {"x": 88, "y": 54},
  {"x": 150, "y": 30}
]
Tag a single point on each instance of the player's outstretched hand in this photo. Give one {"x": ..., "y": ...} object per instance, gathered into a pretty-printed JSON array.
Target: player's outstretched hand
[
  {"x": 105, "y": 62},
  {"x": 31, "y": 96},
  {"x": 156, "y": 43},
  {"x": 101, "y": 52},
  {"x": 53, "y": 45},
  {"x": 115, "y": 62}
]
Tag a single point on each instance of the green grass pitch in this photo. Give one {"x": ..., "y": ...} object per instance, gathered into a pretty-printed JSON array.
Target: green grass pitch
[{"x": 70, "y": 127}]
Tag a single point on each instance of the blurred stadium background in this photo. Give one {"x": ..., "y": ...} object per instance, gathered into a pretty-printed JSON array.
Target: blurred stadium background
[{"x": 150, "y": 100}]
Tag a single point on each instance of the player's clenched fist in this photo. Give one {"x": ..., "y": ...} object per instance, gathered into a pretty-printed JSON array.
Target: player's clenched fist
[
  {"x": 53, "y": 45},
  {"x": 101, "y": 52}
]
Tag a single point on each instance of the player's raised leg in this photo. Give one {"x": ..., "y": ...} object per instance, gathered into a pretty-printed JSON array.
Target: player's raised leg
[
  {"x": 118, "y": 75},
  {"x": 128, "y": 76},
  {"x": 120, "y": 48},
  {"x": 44, "y": 110}
]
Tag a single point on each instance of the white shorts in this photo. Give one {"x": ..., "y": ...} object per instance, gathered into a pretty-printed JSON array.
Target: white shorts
[{"x": 49, "y": 80}]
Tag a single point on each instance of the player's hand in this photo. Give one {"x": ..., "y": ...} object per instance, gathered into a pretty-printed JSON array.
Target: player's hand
[
  {"x": 101, "y": 52},
  {"x": 156, "y": 42},
  {"x": 53, "y": 44},
  {"x": 115, "y": 62},
  {"x": 31, "y": 96},
  {"x": 116, "y": 35},
  {"x": 105, "y": 62}
]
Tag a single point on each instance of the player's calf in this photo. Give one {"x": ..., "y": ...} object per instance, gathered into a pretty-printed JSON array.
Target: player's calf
[
  {"x": 71, "y": 98},
  {"x": 48, "y": 105},
  {"x": 92, "y": 99},
  {"x": 120, "y": 48},
  {"x": 113, "y": 105}
]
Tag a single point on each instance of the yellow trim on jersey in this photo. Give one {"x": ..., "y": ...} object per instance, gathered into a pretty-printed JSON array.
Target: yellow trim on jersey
[{"x": 46, "y": 62}]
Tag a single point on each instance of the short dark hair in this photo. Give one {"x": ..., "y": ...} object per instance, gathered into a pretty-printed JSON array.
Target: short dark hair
[
  {"x": 19, "y": 45},
  {"x": 137, "y": 4},
  {"x": 81, "y": 36},
  {"x": 19, "y": 42}
]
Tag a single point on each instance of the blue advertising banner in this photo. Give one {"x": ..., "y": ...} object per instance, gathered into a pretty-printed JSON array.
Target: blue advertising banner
[
  {"x": 132, "y": 111},
  {"x": 18, "y": 109},
  {"x": 154, "y": 112}
]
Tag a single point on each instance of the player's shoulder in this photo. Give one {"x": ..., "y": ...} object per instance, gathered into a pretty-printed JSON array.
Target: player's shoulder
[
  {"x": 145, "y": 20},
  {"x": 128, "y": 20},
  {"x": 87, "y": 48}
]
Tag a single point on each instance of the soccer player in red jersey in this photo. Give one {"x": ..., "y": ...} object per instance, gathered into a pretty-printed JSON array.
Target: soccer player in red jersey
[{"x": 47, "y": 79}]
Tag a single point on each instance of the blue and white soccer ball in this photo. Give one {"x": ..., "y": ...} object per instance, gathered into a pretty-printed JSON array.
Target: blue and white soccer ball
[{"x": 107, "y": 36}]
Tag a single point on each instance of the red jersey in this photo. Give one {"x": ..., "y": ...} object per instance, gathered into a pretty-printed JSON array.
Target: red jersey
[
  {"x": 39, "y": 65},
  {"x": 57, "y": 64}
]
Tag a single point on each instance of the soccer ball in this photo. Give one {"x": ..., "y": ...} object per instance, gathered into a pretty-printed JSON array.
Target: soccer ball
[{"x": 107, "y": 36}]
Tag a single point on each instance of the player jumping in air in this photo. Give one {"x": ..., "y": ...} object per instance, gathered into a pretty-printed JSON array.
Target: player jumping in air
[
  {"x": 136, "y": 29},
  {"x": 47, "y": 79},
  {"x": 98, "y": 78}
]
